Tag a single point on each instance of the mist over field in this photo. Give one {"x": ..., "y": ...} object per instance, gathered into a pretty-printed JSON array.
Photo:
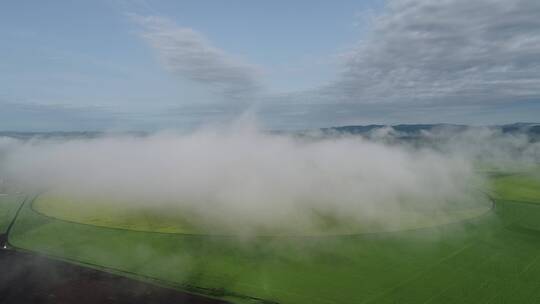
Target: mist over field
[{"x": 240, "y": 176}]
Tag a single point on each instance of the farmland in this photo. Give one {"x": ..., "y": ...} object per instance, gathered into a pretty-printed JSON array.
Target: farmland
[{"x": 486, "y": 256}]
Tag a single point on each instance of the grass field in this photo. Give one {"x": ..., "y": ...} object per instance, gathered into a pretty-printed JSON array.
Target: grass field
[
  {"x": 9, "y": 203},
  {"x": 148, "y": 218},
  {"x": 491, "y": 257}
]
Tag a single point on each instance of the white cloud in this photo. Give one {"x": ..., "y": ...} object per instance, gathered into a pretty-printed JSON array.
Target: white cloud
[
  {"x": 446, "y": 52},
  {"x": 239, "y": 178},
  {"x": 187, "y": 53}
]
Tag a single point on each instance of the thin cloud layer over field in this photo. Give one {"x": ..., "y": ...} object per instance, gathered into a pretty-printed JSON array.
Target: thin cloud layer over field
[{"x": 239, "y": 175}]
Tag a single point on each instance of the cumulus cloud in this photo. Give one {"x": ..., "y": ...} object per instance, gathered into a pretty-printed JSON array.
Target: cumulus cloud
[
  {"x": 187, "y": 53},
  {"x": 449, "y": 51}
]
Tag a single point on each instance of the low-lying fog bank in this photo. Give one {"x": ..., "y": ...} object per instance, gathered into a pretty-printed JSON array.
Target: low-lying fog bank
[{"x": 239, "y": 174}]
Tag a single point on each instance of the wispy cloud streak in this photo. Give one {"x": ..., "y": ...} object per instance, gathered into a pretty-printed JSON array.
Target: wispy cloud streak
[{"x": 187, "y": 53}]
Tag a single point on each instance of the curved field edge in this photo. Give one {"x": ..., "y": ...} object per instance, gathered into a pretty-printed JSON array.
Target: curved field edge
[
  {"x": 109, "y": 215},
  {"x": 518, "y": 187},
  {"x": 9, "y": 203},
  {"x": 280, "y": 270},
  {"x": 480, "y": 260}
]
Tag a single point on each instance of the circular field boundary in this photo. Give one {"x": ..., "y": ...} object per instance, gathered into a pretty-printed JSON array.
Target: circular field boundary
[{"x": 485, "y": 212}]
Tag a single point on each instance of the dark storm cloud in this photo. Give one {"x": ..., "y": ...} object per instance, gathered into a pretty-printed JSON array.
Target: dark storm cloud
[{"x": 450, "y": 51}]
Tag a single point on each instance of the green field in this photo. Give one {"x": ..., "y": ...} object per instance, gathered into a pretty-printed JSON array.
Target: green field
[
  {"x": 470, "y": 256},
  {"x": 9, "y": 203},
  {"x": 148, "y": 218}
]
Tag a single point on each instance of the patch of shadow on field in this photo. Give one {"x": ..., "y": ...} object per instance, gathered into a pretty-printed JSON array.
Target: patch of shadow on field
[{"x": 30, "y": 278}]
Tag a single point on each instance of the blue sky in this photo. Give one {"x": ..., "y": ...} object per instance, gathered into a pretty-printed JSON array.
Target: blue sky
[{"x": 134, "y": 64}]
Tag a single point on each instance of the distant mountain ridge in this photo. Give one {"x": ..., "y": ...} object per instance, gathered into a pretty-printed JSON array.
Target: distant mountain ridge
[
  {"x": 416, "y": 129},
  {"x": 402, "y": 130}
]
